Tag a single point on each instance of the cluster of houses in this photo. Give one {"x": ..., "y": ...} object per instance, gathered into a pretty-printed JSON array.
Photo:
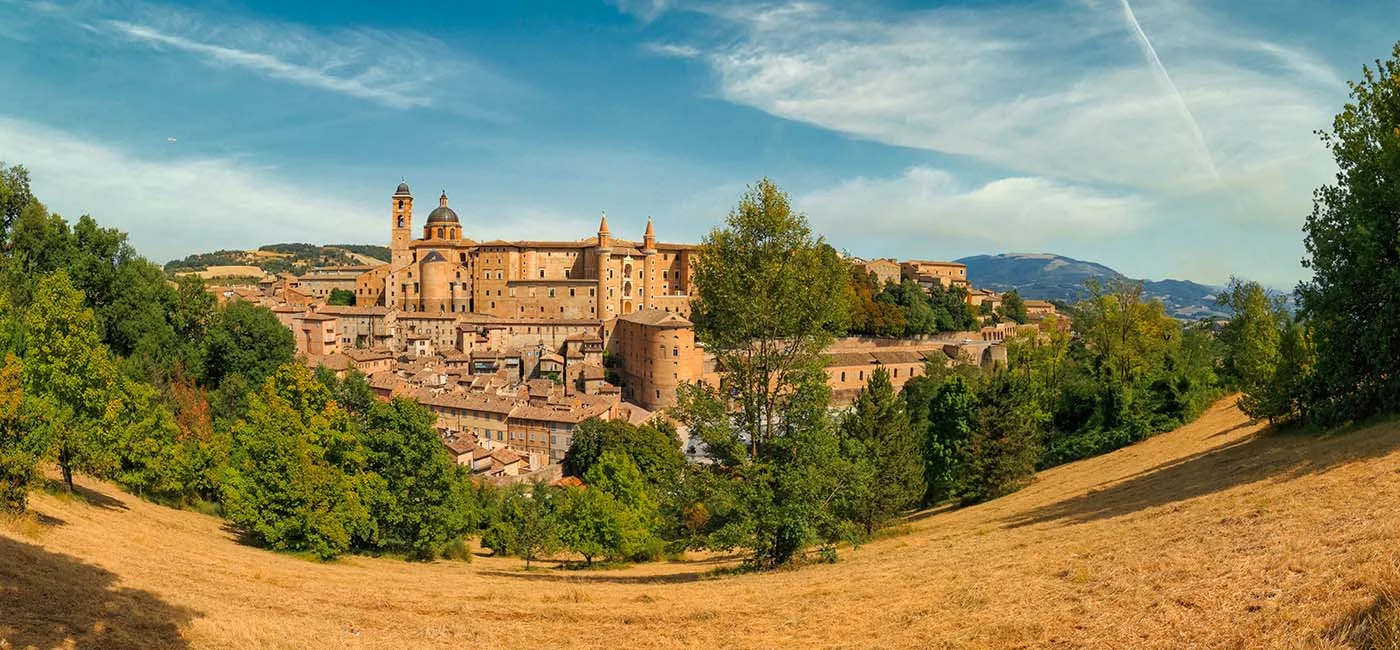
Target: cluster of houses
[{"x": 509, "y": 392}]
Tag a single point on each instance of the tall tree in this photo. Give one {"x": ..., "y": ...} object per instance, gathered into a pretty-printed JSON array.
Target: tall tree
[
  {"x": 1013, "y": 307},
  {"x": 14, "y": 198},
  {"x": 1353, "y": 246},
  {"x": 1252, "y": 342},
  {"x": 295, "y": 479},
  {"x": 422, "y": 508},
  {"x": 529, "y": 524},
  {"x": 1005, "y": 440},
  {"x": 951, "y": 408},
  {"x": 243, "y": 339},
  {"x": 770, "y": 297},
  {"x": 20, "y": 446},
  {"x": 879, "y": 423},
  {"x": 656, "y": 453},
  {"x": 67, "y": 365}
]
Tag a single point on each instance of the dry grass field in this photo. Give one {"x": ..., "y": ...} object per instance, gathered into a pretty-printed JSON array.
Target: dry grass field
[{"x": 1213, "y": 536}]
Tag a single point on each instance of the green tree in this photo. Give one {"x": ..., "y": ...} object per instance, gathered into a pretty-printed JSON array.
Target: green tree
[
  {"x": 20, "y": 445},
  {"x": 341, "y": 297},
  {"x": 423, "y": 506},
  {"x": 528, "y": 525},
  {"x": 14, "y": 198},
  {"x": 1353, "y": 246},
  {"x": 1252, "y": 342},
  {"x": 1013, "y": 307},
  {"x": 947, "y": 410},
  {"x": 294, "y": 480},
  {"x": 770, "y": 296},
  {"x": 654, "y": 451},
  {"x": 879, "y": 425},
  {"x": 591, "y": 523},
  {"x": 614, "y": 516},
  {"x": 243, "y": 339},
  {"x": 1005, "y": 440},
  {"x": 68, "y": 367}
]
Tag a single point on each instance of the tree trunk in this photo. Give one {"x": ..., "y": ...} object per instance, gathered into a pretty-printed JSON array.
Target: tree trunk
[{"x": 65, "y": 462}]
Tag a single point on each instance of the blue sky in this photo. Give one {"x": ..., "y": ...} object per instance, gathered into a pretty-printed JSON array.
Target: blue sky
[{"x": 1165, "y": 138}]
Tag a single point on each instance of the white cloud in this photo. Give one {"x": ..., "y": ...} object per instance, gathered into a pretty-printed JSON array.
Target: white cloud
[
  {"x": 172, "y": 206},
  {"x": 672, "y": 50},
  {"x": 399, "y": 69},
  {"x": 372, "y": 83},
  {"x": 1061, "y": 92},
  {"x": 644, "y": 10},
  {"x": 929, "y": 205}
]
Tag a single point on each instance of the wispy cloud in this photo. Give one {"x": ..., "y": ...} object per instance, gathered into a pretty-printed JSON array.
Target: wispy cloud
[
  {"x": 400, "y": 69},
  {"x": 172, "y": 205},
  {"x": 927, "y": 204},
  {"x": 672, "y": 49},
  {"x": 373, "y": 83},
  {"x": 1051, "y": 90},
  {"x": 644, "y": 10}
]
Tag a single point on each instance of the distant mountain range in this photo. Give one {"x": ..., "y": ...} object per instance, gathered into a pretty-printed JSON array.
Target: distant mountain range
[{"x": 1059, "y": 278}]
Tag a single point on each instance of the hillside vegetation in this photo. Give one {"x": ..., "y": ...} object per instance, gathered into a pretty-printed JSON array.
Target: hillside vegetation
[
  {"x": 1216, "y": 535},
  {"x": 284, "y": 258}
]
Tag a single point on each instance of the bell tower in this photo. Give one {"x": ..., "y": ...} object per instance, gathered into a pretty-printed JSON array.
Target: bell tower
[
  {"x": 402, "y": 225},
  {"x": 400, "y": 255}
]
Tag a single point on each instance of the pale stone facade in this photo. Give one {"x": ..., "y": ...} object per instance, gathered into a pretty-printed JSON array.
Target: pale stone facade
[{"x": 594, "y": 279}]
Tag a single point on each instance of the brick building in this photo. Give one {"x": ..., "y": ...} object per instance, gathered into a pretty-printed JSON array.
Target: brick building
[{"x": 596, "y": 279}]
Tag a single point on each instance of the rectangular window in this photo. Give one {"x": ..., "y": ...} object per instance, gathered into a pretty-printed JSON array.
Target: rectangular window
[{"x": 571, "y": 293}]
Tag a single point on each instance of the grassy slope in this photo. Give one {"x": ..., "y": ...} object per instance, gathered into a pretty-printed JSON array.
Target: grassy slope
[{"x": 1207, "y": 537}]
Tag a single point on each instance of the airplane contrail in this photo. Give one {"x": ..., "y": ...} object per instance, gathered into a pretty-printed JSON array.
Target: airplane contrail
[{"x": 1161, "y": 72}]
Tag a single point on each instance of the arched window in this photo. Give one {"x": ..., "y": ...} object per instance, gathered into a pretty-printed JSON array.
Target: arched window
[{"x": 400, "y": 204}]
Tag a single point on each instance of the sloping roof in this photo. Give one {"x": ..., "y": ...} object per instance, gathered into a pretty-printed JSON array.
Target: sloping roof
[
  {"x": 849, "y": 359},
  {"x": 337, "y": 361},
  {"x": 339, "y": 310},
  {"x": 591, "y": 371},
  {"x": 385, "y": 381},
  {"x": 570, "y": 481},
  {"x": 897, "y": 356},
  {"x": 362, "y": 355},
  {"x": 460, "y": 446},
  {"x": 655, "y": 318}
]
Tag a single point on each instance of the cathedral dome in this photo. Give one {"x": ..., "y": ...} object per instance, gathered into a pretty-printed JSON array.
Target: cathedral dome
[{"x": 442, "y": 213}]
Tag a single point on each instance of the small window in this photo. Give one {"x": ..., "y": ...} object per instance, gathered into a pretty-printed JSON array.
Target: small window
[{"x": 541, "y": 274}]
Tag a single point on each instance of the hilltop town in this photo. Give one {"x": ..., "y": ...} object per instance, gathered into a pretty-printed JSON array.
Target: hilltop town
[{"x": 512, "y": 344}]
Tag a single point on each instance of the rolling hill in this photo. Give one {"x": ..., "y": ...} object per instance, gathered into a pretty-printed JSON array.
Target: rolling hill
[
  {"x": 1061, "y": 279},
  {"x": 280, "y": 258},
  {"x": 1217, "y": 535}
]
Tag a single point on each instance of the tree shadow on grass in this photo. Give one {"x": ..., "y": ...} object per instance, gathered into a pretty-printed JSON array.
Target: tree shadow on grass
[
  {"x": 1271, "y": 454},
  {"x": 580, "y": 577},
  {"x": 50, "y": 600},
  {"x": 87, "y": 495}
]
